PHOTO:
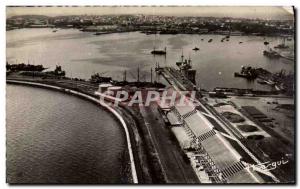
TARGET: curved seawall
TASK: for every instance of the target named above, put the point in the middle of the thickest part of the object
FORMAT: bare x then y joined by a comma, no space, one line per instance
101,103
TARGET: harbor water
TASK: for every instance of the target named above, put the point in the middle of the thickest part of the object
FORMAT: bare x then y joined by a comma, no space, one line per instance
58,138
82,53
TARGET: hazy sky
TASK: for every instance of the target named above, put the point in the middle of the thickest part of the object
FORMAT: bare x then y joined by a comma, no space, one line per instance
220,11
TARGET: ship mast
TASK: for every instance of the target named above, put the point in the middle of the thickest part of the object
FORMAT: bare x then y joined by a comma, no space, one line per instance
124,77
190,61
151,74
138,74
154,39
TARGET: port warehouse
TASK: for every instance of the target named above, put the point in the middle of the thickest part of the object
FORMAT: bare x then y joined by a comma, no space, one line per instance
221,161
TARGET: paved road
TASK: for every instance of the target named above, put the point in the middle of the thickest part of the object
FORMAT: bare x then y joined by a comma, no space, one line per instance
176,169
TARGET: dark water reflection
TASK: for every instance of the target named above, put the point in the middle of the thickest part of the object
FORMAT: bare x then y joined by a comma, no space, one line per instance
58,138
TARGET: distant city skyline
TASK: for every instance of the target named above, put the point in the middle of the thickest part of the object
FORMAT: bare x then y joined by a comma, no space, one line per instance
251,12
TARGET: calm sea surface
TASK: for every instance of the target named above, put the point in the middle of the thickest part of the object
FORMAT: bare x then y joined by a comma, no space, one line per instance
82,54
58,138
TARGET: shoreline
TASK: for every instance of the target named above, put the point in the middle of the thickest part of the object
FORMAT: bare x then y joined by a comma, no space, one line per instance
143,32
111,110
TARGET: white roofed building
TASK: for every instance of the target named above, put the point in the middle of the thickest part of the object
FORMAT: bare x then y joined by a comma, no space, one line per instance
223,163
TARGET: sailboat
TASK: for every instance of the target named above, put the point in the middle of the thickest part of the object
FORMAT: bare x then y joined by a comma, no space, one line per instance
158,51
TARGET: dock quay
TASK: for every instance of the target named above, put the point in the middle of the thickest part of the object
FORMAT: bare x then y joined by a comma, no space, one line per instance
217,125
280,82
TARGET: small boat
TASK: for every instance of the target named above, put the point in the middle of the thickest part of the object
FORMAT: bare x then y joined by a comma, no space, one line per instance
245,75
196,49
210,40
101,33
159,52
281,46
266,43
271,54
150,32
240,42
202,39
247,72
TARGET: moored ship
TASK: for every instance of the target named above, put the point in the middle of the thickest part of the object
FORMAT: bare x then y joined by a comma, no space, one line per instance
159,52
282,45
271,53
186,69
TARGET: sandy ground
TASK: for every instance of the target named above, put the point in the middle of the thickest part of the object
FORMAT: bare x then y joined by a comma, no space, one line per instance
230,108
283,119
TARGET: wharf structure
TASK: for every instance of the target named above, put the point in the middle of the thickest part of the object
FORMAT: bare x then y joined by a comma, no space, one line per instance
221,162
214,147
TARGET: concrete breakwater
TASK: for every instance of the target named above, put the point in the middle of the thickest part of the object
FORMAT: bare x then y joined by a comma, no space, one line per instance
102,104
